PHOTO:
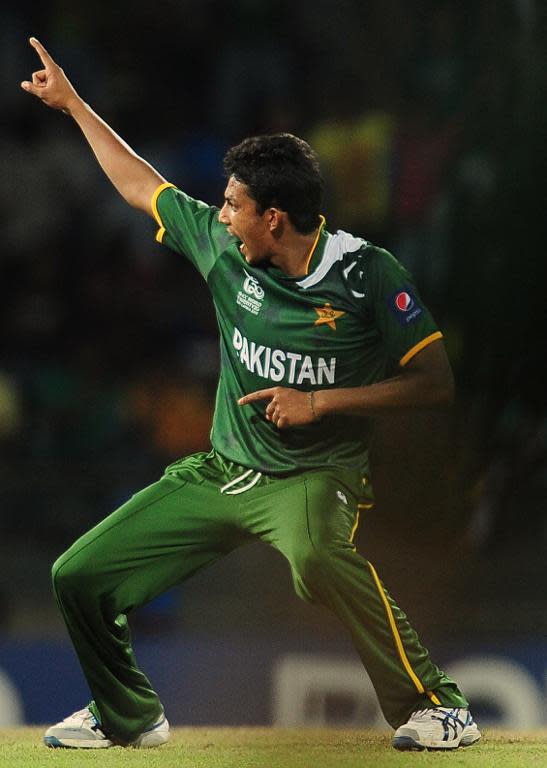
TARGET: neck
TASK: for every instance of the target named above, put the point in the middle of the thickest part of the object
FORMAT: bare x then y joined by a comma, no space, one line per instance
294,251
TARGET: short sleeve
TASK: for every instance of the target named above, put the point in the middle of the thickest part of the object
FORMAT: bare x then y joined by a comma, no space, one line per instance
403,321
189,227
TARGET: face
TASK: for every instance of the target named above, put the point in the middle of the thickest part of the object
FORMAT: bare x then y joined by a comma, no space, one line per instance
240,216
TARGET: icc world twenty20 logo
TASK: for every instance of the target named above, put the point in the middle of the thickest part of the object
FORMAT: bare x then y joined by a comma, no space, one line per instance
250,298
252,286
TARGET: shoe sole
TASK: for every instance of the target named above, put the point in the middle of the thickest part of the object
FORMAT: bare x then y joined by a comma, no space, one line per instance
406,743
149,743
470,738
146,742
55,743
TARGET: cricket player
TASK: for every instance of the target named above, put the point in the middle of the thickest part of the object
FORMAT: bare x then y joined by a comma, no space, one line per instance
318,332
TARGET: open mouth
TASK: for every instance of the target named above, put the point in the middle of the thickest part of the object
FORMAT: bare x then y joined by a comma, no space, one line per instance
242,246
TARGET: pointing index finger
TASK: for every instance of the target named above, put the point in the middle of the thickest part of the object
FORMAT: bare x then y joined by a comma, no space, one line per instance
47,61
260,394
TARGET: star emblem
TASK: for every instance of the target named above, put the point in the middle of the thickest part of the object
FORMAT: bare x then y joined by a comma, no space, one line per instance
328,316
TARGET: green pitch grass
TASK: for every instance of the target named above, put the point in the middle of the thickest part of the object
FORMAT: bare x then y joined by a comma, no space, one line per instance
275,748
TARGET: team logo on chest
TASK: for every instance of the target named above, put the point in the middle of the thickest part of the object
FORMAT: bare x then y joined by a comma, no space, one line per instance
328,316
250,298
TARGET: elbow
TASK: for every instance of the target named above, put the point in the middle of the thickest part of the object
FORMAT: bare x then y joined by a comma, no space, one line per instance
435,390
445,391
448,396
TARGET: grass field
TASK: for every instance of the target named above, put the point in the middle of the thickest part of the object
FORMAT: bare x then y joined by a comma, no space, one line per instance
275,748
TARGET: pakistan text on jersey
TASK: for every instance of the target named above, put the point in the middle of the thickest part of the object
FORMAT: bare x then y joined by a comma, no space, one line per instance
278,365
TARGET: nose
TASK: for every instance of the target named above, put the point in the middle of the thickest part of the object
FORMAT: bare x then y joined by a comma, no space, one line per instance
223,216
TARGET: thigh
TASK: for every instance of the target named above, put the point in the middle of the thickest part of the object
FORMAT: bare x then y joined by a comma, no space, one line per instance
160,536
316,509
332,508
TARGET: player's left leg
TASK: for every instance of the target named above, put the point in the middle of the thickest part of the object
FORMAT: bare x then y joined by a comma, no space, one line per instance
311,521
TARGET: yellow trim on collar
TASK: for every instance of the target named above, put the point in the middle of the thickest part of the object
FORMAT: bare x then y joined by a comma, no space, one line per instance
419,346
314,246
154,206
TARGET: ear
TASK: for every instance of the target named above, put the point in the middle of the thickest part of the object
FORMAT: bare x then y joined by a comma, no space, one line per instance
275,219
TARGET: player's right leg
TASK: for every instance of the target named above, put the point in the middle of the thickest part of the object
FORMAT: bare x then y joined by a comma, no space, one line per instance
157,539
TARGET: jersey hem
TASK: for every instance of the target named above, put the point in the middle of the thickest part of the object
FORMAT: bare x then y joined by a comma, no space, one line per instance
154,205
418,347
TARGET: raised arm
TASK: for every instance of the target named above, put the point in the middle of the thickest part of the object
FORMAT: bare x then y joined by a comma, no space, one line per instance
133,177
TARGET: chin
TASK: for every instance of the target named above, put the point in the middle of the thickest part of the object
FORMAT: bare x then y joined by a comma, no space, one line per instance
254,260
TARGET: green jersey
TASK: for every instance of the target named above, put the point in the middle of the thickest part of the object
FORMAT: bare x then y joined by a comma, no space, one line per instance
351,320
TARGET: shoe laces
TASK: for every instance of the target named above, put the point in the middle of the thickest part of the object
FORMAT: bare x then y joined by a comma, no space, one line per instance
448,718
84,715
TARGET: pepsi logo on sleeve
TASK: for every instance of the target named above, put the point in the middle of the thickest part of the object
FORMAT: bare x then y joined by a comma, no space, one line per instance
405,306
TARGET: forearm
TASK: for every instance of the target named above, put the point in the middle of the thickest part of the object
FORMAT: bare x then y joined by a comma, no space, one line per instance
133,177
400,392
426,381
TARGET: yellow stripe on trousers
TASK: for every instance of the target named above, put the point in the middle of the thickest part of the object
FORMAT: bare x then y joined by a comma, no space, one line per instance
398,642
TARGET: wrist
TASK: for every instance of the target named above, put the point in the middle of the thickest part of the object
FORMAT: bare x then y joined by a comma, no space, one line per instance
311,403
318,400
74,106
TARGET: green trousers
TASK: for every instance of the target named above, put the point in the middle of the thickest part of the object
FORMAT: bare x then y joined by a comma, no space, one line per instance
201,509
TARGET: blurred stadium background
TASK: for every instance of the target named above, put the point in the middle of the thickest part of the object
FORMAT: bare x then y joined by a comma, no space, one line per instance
430,119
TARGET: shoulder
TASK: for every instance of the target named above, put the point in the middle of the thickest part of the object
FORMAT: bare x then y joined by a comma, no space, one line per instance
342,252
168,196
354,267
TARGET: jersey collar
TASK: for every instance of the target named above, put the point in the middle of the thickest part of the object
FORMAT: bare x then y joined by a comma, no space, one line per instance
315,256
315,253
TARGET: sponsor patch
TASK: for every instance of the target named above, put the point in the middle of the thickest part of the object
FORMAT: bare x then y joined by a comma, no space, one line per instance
404,306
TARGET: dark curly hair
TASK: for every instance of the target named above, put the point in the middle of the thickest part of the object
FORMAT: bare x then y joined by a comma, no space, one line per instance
283,171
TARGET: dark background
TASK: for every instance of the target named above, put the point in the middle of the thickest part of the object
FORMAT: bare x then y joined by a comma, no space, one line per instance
430,119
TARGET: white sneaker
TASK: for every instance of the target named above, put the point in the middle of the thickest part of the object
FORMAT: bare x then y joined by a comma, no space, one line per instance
82,731
154,736
439,728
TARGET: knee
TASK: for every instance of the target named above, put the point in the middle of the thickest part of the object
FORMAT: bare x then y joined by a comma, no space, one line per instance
313,561
69,576
317,569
